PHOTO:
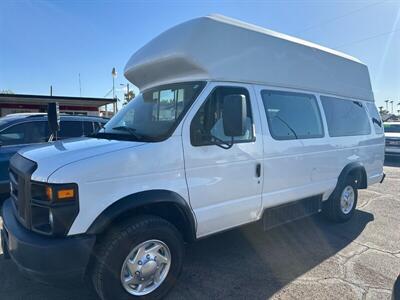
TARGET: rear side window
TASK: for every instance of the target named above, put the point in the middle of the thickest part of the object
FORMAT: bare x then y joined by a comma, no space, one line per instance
375,118
69,129
292,115
345,117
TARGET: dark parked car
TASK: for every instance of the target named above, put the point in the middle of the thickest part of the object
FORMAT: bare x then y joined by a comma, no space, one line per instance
21,130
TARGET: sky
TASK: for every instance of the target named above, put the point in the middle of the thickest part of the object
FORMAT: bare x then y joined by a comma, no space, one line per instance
45,43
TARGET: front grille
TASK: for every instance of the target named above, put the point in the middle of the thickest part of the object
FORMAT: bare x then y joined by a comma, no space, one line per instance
21,170
14,185
392,142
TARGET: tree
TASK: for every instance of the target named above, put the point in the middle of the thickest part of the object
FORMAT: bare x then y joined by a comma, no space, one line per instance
128,97
8,91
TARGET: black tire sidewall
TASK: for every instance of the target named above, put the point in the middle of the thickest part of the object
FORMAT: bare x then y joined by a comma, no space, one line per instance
111,271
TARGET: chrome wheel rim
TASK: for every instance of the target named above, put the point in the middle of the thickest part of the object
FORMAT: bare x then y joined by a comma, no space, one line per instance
146,267
347,199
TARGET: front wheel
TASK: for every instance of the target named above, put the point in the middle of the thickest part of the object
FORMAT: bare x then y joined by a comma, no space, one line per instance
140,259
342,203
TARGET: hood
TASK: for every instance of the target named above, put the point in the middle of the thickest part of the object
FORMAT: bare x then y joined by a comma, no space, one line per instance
52,156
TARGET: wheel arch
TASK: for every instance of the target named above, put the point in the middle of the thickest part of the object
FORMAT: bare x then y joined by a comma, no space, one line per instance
163,203
357,171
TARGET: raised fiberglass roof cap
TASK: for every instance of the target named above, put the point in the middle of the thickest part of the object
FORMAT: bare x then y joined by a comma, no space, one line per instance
220,48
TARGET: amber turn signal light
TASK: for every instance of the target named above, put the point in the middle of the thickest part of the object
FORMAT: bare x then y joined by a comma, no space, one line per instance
65,194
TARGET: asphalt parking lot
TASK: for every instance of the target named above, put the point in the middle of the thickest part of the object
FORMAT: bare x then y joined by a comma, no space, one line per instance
308,259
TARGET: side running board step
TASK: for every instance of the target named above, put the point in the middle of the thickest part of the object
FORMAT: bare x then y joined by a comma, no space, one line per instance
292,211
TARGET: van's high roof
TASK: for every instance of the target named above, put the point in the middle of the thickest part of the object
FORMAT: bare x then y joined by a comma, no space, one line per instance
220,48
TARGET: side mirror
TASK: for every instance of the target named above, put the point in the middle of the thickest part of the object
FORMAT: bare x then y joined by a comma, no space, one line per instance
234,115
53,117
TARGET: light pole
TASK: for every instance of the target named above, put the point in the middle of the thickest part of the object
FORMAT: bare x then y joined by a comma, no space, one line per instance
391,102
114,74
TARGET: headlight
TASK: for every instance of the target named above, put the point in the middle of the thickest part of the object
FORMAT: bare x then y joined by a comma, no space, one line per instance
54,207
53,192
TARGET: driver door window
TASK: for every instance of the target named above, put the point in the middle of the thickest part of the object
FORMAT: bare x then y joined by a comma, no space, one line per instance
207,125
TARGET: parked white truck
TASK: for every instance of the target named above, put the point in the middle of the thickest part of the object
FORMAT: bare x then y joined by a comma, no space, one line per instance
234,124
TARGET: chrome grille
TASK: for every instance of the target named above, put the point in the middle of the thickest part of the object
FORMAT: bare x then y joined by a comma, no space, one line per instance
393,142
21,170
14,185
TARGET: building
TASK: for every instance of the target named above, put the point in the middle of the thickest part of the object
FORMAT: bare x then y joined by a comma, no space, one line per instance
19,103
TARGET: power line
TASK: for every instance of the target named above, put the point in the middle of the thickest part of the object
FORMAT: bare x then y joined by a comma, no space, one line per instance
368,38
339,17
108,93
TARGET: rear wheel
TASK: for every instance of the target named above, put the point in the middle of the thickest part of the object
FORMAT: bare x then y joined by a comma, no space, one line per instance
342,203
140,259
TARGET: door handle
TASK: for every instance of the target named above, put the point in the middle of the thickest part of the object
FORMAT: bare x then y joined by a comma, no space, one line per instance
258,170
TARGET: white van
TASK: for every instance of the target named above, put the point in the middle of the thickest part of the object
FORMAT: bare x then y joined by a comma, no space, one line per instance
234,124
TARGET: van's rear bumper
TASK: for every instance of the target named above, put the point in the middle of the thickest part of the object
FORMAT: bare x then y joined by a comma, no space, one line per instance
44,258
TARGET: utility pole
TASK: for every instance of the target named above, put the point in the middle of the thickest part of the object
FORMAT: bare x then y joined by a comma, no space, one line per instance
51,90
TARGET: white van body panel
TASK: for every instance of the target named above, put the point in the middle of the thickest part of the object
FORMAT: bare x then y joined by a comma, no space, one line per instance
220,185
295,169
107,177
223,187
52,156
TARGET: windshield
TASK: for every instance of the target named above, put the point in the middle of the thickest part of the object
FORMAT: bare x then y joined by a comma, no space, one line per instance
154,114
392,127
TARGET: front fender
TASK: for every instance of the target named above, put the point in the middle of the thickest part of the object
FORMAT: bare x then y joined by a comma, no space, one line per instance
142,199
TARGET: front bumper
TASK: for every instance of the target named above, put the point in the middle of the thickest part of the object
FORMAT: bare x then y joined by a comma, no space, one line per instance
44,258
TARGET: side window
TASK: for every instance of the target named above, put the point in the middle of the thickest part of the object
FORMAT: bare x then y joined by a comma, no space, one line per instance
345,117
207,125
375,118
292,115
88,128
25,133
70,129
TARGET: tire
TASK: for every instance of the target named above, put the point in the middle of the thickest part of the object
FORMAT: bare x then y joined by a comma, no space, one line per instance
333,208
112,253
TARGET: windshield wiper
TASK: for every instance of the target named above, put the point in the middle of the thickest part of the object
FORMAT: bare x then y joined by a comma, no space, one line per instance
132,131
